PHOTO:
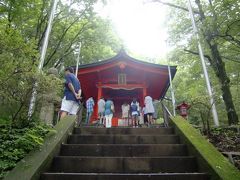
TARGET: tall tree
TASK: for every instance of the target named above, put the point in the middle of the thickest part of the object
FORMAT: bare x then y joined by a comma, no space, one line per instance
211,21
211,34
22,28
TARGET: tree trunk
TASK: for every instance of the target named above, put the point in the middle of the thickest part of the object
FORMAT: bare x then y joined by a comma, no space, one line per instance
220,71
203,123
219,67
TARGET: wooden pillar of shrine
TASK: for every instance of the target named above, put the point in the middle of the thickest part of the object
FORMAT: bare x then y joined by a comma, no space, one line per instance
144,92
99,95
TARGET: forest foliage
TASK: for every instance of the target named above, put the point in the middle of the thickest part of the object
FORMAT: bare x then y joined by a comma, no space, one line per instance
22,29
218,23
23,25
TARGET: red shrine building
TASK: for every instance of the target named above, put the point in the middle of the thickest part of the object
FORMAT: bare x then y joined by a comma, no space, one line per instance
123,78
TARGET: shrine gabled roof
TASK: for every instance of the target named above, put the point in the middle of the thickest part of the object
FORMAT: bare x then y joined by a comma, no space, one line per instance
123,56
155,75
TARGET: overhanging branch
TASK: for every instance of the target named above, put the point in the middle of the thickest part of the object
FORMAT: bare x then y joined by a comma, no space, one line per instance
209,58
174,6
196,53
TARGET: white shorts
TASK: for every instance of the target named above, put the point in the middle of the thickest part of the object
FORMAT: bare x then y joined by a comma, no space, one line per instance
69,106
134,113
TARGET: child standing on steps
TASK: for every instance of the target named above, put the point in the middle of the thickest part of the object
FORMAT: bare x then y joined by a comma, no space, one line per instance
135,112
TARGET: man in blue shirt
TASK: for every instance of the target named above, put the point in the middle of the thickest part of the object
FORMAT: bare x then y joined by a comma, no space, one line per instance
72,93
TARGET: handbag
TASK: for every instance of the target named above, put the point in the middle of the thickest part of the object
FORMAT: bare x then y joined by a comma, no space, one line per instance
112,108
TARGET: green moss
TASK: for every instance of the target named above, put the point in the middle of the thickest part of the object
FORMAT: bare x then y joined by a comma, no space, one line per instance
209,158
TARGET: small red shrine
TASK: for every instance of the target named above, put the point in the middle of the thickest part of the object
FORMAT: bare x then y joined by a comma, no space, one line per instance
122,78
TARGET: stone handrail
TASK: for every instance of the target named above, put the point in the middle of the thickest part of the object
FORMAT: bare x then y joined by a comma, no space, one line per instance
166,115
209,158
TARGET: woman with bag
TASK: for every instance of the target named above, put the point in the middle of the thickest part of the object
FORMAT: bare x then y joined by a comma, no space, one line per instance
109,110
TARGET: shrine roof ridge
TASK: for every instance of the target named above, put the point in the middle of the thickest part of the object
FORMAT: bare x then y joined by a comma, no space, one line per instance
123,56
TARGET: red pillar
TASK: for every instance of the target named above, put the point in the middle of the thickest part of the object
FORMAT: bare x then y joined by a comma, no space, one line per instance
99,91
95,111
98,97
144,87
144,93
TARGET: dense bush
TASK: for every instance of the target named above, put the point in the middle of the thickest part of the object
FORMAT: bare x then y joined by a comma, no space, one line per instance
15,143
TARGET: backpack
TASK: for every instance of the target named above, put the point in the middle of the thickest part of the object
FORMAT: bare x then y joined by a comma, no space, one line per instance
134,107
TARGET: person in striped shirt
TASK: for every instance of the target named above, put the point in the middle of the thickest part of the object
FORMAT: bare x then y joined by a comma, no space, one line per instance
89,105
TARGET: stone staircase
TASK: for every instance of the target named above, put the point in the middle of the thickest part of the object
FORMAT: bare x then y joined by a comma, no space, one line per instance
123,154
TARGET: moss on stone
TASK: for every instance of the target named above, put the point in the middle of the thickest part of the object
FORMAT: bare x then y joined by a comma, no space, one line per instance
209,158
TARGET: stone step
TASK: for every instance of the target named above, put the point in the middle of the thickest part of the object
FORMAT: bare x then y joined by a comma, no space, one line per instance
123,150
118,176
118,130
123,139
78,164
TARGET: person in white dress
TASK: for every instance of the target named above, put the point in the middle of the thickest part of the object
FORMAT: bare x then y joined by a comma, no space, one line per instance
125,112
149,109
